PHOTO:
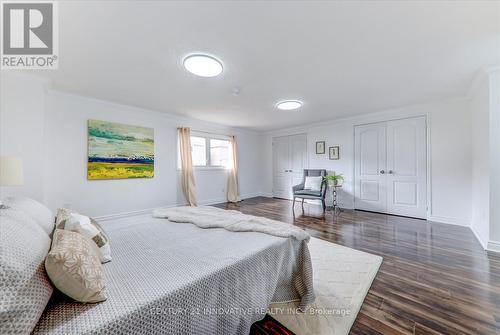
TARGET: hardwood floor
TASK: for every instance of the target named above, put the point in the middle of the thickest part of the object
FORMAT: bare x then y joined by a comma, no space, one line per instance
435,278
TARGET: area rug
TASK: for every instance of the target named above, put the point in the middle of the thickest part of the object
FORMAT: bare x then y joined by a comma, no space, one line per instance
342,278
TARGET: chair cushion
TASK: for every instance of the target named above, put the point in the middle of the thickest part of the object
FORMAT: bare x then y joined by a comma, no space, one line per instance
308,193
25,289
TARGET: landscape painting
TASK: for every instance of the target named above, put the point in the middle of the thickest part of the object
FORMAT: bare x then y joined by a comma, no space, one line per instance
119,151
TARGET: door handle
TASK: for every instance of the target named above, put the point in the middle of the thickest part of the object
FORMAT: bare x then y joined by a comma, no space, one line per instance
382,171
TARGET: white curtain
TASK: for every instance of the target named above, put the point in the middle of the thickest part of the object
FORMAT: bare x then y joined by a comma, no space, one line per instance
233,189
188,185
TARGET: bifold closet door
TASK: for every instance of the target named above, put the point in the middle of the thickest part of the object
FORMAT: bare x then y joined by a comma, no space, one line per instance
289,161
407,167
281,166
369,168
298,159
390,167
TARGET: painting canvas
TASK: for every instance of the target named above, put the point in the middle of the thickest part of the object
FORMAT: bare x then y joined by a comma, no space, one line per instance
119,151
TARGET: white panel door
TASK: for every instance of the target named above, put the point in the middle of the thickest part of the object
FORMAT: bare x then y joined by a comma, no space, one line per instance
370,167
407,167
289,162
298,159
281,166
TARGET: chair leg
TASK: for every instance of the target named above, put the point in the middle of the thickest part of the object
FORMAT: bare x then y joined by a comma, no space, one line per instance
324,205
293,206
302,204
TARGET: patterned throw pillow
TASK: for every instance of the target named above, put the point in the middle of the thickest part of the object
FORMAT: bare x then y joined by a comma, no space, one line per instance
70,220
25,289
74,267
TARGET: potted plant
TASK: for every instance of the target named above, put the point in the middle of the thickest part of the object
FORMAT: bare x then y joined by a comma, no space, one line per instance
334,179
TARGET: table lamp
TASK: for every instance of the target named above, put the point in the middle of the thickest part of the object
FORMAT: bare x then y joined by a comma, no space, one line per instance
11,171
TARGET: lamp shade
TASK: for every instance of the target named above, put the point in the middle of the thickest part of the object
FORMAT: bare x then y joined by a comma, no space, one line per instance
11,171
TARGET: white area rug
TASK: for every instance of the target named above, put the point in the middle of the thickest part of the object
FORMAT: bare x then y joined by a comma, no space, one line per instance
342,278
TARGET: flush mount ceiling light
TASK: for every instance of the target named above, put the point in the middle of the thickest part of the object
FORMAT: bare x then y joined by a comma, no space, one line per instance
203,65
288,105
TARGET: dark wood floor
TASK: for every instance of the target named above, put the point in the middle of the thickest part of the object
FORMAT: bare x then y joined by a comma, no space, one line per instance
435,278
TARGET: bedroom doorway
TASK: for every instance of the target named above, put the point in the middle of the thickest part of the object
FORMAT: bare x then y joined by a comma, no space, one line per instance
289,162
391,167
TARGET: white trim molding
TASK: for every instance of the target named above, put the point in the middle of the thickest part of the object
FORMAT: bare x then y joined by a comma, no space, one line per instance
129,214
150,210
449,220
484,243
493,246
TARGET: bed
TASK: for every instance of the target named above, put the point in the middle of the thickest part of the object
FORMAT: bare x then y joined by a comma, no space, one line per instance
176,278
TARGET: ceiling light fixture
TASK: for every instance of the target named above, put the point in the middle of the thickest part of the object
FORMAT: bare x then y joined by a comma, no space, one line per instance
203,65
288,105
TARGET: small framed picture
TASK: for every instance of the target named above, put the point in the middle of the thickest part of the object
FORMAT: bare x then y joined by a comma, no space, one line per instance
334,153
320,147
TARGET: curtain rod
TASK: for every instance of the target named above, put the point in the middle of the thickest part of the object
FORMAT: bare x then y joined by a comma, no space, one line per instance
209,133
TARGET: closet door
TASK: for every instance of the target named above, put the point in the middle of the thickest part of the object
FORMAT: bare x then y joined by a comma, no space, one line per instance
289,161
370,167
298,158
281,166
407,167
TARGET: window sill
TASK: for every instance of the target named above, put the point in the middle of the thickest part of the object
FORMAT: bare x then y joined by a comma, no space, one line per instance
207,168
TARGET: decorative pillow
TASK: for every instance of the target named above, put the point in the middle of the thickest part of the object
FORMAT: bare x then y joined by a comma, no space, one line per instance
39,212
71,220
74,268
25,288
313,183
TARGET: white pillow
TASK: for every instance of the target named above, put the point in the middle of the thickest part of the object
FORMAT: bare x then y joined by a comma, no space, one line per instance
313,183
83,225
25,289
37,211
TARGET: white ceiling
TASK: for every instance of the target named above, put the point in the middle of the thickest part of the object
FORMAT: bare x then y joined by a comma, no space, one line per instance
340,58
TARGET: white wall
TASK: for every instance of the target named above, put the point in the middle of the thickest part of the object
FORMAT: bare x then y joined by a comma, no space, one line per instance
479,106
66,168
485,111
48,129
494,94
21,129
450,143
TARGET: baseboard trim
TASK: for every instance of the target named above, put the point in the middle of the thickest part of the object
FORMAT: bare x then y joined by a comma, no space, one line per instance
493,246
131,213
206,202
448,220
484,243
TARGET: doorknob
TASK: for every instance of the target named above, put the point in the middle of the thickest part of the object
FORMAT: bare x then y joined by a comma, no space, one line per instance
382,172
391,172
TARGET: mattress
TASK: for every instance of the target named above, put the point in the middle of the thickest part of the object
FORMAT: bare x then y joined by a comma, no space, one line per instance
176,278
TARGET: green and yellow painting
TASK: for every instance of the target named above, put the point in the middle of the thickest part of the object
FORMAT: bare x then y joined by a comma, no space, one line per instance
119,151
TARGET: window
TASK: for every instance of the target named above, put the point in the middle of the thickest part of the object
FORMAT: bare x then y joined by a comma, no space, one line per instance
210,151
199,151
219,152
